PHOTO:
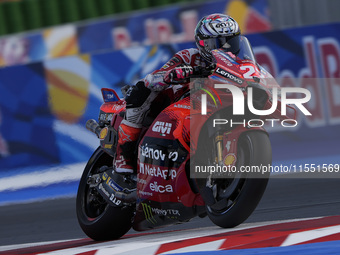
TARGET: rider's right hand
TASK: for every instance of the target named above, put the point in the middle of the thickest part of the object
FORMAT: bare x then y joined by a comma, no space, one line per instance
178,74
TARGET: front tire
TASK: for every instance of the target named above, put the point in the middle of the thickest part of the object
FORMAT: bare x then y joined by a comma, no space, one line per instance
237,198
96,217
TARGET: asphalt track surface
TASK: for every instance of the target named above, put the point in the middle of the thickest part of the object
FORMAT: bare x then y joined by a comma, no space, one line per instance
55,220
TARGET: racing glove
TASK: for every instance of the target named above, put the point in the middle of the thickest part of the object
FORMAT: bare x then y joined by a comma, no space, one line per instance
178,75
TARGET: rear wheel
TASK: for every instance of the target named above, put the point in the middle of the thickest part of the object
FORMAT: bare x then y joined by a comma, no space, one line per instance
237,197
96,217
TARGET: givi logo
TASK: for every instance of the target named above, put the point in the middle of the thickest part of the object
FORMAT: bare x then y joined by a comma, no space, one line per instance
162,127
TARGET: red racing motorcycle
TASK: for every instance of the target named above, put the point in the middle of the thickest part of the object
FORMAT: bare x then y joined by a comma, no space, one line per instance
185,140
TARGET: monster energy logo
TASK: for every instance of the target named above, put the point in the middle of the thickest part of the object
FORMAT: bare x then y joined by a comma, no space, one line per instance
148,214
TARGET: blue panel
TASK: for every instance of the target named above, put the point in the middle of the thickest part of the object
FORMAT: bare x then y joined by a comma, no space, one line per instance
27,124
305,249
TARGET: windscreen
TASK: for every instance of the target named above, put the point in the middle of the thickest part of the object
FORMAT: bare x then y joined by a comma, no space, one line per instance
245,52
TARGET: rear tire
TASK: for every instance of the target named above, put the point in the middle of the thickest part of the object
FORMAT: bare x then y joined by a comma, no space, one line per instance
245,191
99,220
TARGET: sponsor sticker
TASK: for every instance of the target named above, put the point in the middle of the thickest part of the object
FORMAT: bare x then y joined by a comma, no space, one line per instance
148,213
161,127
228,75
182,106
230,159
158,154
154,171
103,133
154,186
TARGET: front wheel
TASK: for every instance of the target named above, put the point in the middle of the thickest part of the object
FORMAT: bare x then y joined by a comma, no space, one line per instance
96,217
237,197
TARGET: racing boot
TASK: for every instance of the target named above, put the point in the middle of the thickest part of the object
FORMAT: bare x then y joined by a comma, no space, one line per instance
138,100
126,160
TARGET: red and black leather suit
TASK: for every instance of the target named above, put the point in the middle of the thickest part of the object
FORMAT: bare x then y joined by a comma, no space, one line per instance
139,98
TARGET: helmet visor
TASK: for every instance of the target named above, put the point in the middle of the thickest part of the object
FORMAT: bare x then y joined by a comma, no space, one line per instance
226,43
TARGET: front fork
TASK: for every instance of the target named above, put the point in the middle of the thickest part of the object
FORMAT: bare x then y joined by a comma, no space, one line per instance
219,147
218,152
225,145
224,154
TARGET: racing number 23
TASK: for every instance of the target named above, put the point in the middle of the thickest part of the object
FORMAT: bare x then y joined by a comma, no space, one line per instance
250,71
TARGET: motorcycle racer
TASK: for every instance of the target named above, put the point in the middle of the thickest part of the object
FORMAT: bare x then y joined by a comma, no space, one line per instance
212,32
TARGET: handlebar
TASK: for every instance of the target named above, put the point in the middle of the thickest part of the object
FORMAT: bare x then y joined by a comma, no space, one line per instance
198,72
201,72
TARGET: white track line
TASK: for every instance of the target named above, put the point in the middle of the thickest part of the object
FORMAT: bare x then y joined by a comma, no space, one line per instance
29,245
210,246
65,173
308,235
145,244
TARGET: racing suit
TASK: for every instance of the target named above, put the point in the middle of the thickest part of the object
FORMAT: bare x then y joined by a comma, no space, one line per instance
139,98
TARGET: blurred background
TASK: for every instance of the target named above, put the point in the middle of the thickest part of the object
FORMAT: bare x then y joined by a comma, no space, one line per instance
56,55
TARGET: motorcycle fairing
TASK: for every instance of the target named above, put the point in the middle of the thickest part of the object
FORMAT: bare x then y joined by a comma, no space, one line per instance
163,152
168,158
152,214
162,179
109,112
109,95
108,140
112,105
